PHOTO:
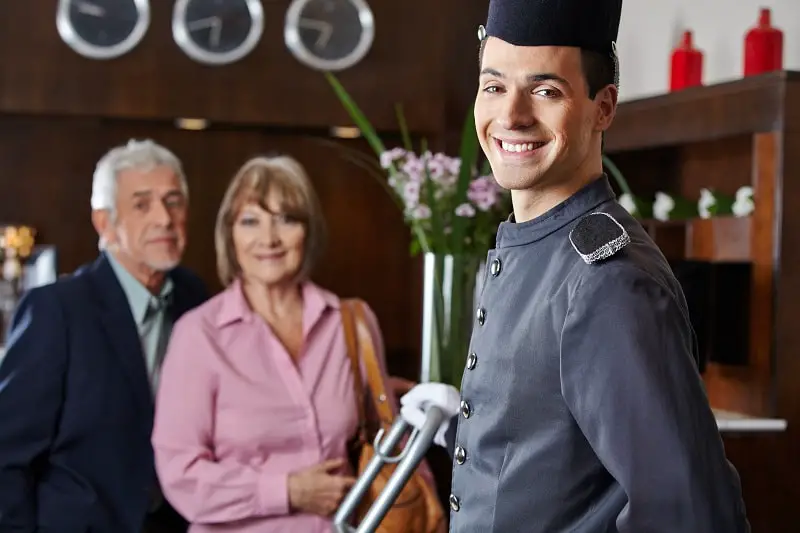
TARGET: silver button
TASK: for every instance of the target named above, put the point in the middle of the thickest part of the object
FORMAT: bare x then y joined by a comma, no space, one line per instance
466,410
481,315
496,267
455,505
460,455
472,360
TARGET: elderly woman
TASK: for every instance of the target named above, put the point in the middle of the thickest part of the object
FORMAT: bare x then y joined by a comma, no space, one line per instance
257,400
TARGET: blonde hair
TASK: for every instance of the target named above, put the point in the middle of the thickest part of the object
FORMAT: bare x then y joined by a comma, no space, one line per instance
254,182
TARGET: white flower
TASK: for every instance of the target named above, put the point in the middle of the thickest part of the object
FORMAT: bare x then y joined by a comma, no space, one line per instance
744,204
465,210
421,212
626,201
705,203
663,205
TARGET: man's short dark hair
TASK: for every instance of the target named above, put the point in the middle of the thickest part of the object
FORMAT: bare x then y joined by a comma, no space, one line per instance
598,69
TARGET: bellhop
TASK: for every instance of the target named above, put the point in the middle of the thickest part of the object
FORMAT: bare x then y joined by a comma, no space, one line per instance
581,406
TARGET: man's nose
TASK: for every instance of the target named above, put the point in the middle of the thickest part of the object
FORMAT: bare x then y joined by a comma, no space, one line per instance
517,113
161,214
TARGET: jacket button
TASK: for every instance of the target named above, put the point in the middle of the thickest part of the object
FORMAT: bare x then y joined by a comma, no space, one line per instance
495,268
460,455
481,315
472,360
466,410
455,505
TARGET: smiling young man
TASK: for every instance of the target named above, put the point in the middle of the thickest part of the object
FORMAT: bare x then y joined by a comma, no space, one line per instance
581,408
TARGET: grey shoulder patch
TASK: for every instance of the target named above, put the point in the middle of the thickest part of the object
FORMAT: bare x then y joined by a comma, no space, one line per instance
598,236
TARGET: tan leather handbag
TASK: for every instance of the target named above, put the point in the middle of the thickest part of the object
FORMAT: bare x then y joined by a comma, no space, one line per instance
417,508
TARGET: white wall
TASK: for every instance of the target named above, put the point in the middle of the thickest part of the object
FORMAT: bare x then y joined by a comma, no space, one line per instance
650,29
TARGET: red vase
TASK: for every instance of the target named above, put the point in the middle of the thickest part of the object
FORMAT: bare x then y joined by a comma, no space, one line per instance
686,69
763,46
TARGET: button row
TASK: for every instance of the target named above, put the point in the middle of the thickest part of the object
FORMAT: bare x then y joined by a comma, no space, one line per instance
460,454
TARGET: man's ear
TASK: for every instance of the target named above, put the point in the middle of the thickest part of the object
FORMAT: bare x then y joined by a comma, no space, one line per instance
101,220
606,106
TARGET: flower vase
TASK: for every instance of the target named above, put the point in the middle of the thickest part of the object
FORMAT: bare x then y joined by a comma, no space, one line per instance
451,285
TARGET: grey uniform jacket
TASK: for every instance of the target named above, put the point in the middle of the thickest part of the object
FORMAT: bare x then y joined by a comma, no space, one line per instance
582,407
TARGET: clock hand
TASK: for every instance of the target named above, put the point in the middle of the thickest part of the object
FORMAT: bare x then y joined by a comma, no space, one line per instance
214,23
325,30
216,34
90,9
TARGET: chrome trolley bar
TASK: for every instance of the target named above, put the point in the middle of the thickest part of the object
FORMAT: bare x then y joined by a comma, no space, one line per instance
413,453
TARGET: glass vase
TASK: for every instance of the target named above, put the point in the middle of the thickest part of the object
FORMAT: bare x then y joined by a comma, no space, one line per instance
450,287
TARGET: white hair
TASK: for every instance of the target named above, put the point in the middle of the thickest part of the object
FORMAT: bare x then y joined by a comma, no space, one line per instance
139,155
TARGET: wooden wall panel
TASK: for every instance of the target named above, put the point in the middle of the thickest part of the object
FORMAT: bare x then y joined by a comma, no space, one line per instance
408,64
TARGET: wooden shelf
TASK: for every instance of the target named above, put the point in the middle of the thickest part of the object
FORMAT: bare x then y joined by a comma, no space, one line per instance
717,239
698,114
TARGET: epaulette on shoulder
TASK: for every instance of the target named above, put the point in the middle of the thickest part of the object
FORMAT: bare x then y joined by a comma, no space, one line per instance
598,236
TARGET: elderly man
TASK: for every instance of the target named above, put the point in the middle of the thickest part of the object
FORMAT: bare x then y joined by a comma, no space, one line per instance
581,408
83,358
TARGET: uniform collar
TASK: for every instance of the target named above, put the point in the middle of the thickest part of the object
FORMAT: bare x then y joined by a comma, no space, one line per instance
590,196
139,298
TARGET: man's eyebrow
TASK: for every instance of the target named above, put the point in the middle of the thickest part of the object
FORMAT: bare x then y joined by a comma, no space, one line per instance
534,78
492,72
531,78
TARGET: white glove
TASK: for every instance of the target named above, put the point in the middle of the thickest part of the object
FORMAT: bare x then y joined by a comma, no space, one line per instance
414,402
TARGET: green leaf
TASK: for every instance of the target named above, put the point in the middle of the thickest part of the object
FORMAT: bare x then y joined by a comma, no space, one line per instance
617,175
372,138
486,168
469,155
401,121
356,114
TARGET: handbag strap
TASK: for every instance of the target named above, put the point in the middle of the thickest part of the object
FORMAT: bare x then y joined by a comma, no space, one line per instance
348,325
361,347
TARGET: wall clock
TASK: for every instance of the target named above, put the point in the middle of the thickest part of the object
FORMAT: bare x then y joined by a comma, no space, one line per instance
329,34
217,32
102,29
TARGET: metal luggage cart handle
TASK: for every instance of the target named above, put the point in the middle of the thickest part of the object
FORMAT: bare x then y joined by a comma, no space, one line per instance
408,460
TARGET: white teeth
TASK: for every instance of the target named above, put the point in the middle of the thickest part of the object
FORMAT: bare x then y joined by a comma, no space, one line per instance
519,147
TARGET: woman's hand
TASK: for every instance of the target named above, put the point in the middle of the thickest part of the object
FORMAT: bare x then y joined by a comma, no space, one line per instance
315,490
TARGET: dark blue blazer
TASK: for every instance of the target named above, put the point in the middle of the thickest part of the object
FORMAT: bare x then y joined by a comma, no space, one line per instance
76,411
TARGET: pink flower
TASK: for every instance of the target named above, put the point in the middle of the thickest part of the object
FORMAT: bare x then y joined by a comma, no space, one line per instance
484,192
414,168
411,194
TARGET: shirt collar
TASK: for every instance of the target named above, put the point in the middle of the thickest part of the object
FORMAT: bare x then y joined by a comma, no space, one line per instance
139,298
234,306
511,233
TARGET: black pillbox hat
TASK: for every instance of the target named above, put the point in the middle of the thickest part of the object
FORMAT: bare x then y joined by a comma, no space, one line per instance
586,24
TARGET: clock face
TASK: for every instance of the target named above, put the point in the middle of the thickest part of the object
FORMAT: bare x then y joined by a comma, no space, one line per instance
102,29
217,31
329,34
